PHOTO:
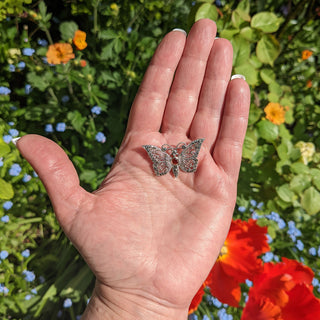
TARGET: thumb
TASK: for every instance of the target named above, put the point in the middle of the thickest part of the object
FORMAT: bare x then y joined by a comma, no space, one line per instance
56,172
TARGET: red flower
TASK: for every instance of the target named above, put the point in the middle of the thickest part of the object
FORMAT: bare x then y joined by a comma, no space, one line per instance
283,290
196,300
238,261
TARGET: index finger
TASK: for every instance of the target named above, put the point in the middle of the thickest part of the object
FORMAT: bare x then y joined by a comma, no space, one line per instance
148,107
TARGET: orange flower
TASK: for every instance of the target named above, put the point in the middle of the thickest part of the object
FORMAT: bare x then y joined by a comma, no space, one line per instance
306,54
309,84
275,113
238,261
83,63
196,300
282,291
79,40
59,53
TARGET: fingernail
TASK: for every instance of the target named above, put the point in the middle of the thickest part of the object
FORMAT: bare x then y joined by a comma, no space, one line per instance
15,140
238,76
180,30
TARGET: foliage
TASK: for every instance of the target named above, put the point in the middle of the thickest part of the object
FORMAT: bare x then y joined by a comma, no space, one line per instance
83,105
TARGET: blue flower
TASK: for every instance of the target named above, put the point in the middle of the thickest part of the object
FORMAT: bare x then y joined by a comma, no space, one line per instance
65,99
109,159
34,291
300,245
21,65
96,110
28,297
7,138
28,51
7,205
25,253
12,68
29,275
26,178
4,254
293,232
315,282
192,316
269,238
100,137
5,218
214,301
1,162
48,128
27,88
15,170
3,289
242,209
129,30
313,251
253,203
61,127
67,303
42,42
267,257
14,132
4,90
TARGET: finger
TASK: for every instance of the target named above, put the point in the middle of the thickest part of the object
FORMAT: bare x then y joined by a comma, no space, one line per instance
184,94
148,107
56,172
228,148
207,118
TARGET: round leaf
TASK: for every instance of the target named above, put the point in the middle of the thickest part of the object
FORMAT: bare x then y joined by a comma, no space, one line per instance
268,49
265,21
249,72
207,11
267,75
267,130
310,201
6,190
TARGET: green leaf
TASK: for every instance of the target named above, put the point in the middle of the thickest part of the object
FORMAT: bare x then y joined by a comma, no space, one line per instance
268,49
77,120
228,33
285,193
207,11
267,130
310,201
6,190
108,34
249,144
243,10
249,72
299,183
250,34
4,148
68,29
315,174
267,22
254,114
267,75
299,167
241,50
40,82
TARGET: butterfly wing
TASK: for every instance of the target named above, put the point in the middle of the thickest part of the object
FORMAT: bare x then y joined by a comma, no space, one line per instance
161,160
188,161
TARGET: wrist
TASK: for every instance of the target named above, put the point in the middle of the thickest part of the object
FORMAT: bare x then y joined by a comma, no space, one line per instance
110,304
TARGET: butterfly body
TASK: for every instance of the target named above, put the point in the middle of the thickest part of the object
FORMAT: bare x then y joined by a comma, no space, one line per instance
182,157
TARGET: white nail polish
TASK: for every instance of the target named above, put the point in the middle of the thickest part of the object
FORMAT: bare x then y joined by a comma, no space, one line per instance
217,38
238,76
15,140
180,30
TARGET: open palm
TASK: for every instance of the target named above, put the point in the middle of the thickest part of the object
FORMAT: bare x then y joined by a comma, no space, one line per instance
150,240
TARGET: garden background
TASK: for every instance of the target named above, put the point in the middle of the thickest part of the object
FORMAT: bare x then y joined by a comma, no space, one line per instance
79,93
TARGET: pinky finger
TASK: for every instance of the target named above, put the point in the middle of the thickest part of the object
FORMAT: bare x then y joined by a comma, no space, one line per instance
228,148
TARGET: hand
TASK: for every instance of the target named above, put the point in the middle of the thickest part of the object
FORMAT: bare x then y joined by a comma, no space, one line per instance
149,240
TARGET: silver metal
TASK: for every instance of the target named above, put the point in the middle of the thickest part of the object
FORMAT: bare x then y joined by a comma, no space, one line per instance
183,156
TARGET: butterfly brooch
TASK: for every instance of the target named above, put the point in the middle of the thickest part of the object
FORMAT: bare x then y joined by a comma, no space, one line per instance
183,156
